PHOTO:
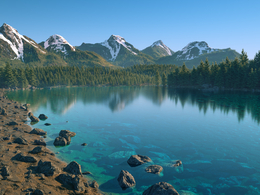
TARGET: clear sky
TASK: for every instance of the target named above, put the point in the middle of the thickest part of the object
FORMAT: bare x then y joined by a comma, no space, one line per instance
221,23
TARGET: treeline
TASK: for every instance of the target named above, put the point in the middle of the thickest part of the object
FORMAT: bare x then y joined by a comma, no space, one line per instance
237,74
69,76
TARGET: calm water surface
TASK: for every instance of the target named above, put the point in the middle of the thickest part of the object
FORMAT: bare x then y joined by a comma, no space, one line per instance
215,135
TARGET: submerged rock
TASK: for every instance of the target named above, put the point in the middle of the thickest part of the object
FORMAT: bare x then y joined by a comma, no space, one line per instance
73,168
125,179
42,116
47,124
38,131
136,160
161,188
155,169
177,163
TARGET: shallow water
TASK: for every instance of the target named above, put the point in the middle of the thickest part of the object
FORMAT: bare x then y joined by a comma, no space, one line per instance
215,135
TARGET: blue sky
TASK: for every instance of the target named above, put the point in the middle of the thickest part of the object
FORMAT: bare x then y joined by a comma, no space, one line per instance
222,24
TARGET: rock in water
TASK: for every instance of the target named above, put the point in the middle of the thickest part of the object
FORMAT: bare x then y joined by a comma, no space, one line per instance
73,168
38,131
125,179
42,116
155,169
177,163
68,133
47,124
34,118
60,141
136,160
162,188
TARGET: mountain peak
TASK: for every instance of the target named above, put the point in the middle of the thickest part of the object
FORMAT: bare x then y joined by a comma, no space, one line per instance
58,43
157,43
194,49
15,40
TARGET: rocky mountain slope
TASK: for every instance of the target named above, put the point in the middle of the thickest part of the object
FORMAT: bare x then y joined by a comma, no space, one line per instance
157,50
19,50
117,51
196,51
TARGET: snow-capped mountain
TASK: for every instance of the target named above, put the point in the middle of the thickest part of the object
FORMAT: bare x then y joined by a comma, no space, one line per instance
58,43
118,51
158,49
193,50
14,44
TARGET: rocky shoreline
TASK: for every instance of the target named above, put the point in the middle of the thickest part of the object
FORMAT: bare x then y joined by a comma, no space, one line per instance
26,165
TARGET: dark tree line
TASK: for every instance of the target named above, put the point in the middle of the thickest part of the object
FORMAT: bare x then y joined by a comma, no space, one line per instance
237,74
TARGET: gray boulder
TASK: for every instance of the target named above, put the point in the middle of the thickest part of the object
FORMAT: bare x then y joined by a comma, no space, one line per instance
34,118
12,123
136,160
155,169
161,188
76,182
20,140
38,131
68,133
5,171
39,142
73,168
60,141
46,168
42,116
36,150
3,111
125,179
24,158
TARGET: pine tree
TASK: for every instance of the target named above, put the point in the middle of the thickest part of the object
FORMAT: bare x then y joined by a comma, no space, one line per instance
157,78
9,79
23,82
164,79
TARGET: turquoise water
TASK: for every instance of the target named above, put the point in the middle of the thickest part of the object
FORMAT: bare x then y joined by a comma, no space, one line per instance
215,135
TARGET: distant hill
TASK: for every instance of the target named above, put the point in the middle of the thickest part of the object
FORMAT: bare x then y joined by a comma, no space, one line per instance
196,51
157,50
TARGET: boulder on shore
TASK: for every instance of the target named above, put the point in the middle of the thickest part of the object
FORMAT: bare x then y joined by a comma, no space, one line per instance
40,142
36,150
38,131
64,138
46,168
34,118
73,168
23,158
161,188
42,117
155,169
125,179
20,140
68,133
136,160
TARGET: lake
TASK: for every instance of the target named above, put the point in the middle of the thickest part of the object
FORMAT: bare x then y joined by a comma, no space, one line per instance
215,135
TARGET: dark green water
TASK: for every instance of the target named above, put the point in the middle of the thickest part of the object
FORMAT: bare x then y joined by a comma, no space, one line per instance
215,135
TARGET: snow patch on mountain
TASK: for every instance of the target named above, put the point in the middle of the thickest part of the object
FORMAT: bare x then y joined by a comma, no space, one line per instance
194,49
15,40
161,44
114,44
57,43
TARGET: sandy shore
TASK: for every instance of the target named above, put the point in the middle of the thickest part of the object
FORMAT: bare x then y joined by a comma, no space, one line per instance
19,168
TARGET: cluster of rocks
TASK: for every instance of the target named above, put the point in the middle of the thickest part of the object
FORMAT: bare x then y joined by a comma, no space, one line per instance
36,119
126,179
64,138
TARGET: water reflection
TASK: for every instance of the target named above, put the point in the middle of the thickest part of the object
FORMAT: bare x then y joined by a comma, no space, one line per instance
60,100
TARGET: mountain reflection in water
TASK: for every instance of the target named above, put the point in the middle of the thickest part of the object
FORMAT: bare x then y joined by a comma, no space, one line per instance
61,100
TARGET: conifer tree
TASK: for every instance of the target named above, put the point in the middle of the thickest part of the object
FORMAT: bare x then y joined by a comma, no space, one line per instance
157,78
164,79
9,79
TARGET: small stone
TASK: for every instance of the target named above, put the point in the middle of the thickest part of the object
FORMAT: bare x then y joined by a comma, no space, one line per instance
87,173
34,118
177,163
47,124
84,144
42,117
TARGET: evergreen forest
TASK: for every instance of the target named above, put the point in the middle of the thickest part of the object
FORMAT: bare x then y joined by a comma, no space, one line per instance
240,73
